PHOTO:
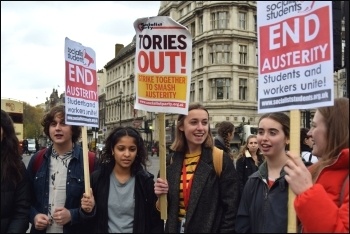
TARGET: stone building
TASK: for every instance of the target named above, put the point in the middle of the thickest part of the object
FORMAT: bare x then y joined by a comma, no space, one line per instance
224,66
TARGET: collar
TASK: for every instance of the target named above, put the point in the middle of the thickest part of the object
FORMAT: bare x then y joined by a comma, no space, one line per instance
263,172
247,154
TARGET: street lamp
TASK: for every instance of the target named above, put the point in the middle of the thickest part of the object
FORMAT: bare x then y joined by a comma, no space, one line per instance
120,108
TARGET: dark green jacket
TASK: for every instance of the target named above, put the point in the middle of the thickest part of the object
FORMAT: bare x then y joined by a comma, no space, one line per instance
263,210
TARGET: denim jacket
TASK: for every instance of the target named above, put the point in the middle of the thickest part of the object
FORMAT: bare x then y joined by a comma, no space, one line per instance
74,188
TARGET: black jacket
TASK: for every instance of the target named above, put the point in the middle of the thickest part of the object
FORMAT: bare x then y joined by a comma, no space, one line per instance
245,167
213,201
15,205
146,216
263,210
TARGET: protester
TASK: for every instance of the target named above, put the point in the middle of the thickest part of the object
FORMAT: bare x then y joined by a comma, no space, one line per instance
306,143
248,161
123,198
263,207
37,146
25,147
58,182
199,200
226,131
322,201
15,189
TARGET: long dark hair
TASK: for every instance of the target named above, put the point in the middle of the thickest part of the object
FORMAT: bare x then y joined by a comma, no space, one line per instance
107,159
11,159
224,129
303,136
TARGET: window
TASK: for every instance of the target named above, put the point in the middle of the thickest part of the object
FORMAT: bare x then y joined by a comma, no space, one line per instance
200,57
257,89
256,55
200,91
193,29
220,88
242,89
243,54
212,54
219,20
189,7
200,24
219,54
255,24
192,92
193,60
181,12
242,20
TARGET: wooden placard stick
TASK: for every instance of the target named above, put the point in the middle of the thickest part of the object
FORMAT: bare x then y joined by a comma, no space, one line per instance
294,147
162,163
86,160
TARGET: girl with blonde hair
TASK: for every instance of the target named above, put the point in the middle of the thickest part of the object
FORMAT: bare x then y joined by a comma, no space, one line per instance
248,161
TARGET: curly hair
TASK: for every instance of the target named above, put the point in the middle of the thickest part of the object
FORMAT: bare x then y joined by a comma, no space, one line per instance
59,111
226,128
11,159
107,160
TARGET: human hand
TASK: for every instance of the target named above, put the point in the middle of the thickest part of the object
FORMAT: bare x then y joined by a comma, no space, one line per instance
61,216
161,187
88,202
41,221
297,174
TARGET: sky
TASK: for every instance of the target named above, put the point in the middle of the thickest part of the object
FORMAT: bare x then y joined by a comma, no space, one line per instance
33,36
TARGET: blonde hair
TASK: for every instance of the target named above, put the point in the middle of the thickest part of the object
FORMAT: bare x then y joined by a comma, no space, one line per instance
245,147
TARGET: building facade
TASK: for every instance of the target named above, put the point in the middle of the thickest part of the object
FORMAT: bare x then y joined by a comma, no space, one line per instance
224,67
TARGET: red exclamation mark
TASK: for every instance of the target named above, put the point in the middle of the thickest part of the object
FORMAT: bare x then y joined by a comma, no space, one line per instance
183,62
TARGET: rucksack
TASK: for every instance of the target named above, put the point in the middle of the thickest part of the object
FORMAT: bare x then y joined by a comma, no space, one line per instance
40,157
217,160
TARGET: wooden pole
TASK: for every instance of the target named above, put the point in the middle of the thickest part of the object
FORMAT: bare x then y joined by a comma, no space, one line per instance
86,160
294,147
162,163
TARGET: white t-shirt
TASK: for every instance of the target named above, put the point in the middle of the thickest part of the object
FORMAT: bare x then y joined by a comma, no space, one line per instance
306,155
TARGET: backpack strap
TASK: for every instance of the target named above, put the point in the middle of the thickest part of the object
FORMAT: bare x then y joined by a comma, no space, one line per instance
310,157
217,160
38,160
